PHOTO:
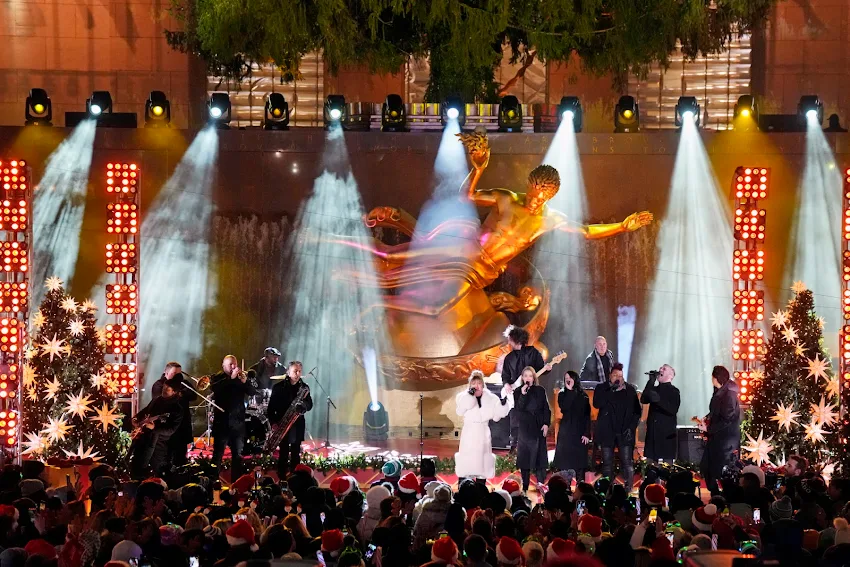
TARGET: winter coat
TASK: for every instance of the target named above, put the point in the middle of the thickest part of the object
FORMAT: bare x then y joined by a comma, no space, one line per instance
516,360
183,435
724,430
661,441
570,452
532,412
283,394
229,394
372,517
161,406
475,457
590,368
619,415
430,522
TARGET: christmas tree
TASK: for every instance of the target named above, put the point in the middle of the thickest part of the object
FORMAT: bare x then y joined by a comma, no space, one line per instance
794,405
69,409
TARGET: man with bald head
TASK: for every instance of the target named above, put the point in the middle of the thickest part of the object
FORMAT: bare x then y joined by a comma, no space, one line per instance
229,388
663,399
598,364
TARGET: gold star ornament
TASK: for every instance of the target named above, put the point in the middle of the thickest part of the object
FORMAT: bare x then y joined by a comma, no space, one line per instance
817,367
52,388
759,449
82,454
76,328
798,287
823,413
53,284
35,444
815,432
52,347
785,416
69,305
38,320
779,319
790,335
107,417
78,405
57,429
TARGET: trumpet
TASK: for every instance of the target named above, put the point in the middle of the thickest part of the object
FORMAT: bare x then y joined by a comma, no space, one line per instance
201,383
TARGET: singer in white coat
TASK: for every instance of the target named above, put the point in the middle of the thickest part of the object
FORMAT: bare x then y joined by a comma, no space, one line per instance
478,406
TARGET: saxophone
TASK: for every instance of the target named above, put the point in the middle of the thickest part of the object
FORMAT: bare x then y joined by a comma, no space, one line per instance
282,427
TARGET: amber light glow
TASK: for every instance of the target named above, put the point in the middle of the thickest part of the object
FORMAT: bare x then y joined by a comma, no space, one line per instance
749,305
9,426
14,256
749,223
122,177
748,264
122,218
121,298
13,297
121,339
121,258
124,375
751,183
10,330
13,175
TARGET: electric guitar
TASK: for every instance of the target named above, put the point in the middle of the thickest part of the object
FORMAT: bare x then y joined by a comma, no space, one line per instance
140,426
518,382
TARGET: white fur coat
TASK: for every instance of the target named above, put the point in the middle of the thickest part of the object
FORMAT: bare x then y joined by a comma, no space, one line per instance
475,456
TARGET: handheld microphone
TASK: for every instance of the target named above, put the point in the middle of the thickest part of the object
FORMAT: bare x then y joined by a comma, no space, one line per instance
471,391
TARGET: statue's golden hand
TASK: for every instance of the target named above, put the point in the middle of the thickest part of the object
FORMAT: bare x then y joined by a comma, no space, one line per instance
637,220
477,146
379,215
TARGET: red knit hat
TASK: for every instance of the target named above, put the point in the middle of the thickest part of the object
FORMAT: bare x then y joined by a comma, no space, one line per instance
509,552
241,533
511,487
332,541
242,484
590,525
304,468
560,548
8,510
661,550
654,494
408,483
444,550
41,547
342,485
703,517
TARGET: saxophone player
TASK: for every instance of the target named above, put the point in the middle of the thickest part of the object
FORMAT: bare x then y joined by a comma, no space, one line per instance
229,387
283,394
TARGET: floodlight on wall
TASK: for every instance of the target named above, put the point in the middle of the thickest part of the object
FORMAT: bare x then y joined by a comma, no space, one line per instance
336,111
453,108
570,109
219,110
99,104
157,110
746,114
687,110
39,110
276,114
810,109
510,114
393,114
626,115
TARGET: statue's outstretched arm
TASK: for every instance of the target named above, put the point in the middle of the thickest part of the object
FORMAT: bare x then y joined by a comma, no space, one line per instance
392,217
596,231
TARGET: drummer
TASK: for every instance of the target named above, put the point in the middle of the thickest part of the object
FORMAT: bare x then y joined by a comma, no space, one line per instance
265,368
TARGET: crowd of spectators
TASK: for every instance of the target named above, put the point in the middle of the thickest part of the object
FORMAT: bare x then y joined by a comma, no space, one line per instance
405,520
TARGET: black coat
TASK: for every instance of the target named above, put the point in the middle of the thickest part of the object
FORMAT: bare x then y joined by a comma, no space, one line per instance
283,393
619,415
724,430
261,373
663,399
161,406
516,360
229,394
532,413
590,368
570,452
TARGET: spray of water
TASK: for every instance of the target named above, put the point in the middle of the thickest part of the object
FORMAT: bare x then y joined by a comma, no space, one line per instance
689,322
175,260
60,200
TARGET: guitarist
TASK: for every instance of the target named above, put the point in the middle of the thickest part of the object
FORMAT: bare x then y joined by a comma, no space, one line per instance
157,422
520,356
283,394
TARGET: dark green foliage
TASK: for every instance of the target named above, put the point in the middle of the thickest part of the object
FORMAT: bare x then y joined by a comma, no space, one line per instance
463,38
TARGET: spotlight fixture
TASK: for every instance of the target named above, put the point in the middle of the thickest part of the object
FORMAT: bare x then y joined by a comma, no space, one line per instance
626,115
277,113
453,108
218,109
393,114
39,110
510,114
810,109
336,111
376,422
157,110
746,114
570,109
100,103
687,110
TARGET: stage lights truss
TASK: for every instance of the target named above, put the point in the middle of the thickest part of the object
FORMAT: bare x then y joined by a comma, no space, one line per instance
121,261
749,186
15,247
844,335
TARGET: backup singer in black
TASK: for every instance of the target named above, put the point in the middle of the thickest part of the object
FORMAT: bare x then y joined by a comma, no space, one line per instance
283,394
229,387
533,417
619,415
574,429
663,399
150,451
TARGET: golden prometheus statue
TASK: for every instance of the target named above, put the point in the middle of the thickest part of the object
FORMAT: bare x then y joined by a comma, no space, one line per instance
443,317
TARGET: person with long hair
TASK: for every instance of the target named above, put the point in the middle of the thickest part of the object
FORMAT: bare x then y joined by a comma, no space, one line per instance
723,432
533,415
574,430
478,406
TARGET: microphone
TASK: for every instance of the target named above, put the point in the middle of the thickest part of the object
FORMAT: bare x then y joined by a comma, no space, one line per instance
471,391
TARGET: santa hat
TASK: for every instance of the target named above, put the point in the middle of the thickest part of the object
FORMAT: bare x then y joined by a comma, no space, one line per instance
159,481
301,467
506,495
509,552
654,494
756,471
9,510
703,517
661,550
343,485
241,533
242,484
444,550
560,548
591,525
511,487
332,541
41,547
408,484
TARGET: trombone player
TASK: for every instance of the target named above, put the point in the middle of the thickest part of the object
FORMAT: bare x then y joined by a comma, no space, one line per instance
229,387
283,395
183,436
